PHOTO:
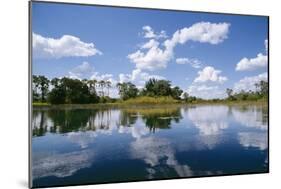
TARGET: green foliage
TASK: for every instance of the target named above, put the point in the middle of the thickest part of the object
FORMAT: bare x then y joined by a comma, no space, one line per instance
158,88
185,96
127,90
260,93
73,91
64,91
151,100
189,99
40,88
154,87
176,93
106,99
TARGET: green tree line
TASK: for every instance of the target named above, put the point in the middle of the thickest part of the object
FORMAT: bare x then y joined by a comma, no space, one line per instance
260,93
74,91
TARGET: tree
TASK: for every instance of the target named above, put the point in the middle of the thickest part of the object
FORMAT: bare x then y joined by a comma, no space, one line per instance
92,86
101,85
176,92
154,87
127,90
35,88
185,96
162,88
72,91
229,92
149,87
108,86
263,85
260,92
40,87
58,94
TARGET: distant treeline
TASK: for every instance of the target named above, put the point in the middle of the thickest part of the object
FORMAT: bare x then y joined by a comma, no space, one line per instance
260,92
74,91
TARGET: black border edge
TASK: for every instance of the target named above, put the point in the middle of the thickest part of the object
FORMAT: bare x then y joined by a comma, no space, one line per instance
268,99
30,185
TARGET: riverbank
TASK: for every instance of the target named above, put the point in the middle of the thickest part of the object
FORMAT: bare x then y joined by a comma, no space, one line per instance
164,102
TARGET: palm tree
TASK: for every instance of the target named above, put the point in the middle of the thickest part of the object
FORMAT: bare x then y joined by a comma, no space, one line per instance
108,85
102,84
118,85
257,85
35,81
92,85
44,86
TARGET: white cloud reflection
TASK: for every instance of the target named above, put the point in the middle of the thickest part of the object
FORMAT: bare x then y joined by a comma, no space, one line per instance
106,123
251,117
83,139
210,120
137,130
61,165
251,139
158,151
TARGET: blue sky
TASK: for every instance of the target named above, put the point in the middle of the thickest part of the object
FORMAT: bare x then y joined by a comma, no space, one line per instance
210,52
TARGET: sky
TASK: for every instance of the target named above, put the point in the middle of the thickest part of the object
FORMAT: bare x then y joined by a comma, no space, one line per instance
202,53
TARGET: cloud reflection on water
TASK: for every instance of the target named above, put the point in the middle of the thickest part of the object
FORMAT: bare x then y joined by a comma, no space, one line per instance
60,164
251,139
253,117
158,151
211,121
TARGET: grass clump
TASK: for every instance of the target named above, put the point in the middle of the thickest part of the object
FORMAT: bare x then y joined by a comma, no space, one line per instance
40,104
151,100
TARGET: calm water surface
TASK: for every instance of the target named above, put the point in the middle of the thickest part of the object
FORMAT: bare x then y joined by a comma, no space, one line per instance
76,146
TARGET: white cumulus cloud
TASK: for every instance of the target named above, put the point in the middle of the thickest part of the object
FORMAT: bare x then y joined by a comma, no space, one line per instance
66,46
249,64
138,77
154,58
195,63
151,43
206,92
149,33
210,74
81,71
248,83
203,32
246,64
153,55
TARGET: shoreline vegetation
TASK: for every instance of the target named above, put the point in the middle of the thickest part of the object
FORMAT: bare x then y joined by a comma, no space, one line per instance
67,92
163,104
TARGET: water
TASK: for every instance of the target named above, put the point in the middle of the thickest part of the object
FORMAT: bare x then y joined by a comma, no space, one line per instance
79,146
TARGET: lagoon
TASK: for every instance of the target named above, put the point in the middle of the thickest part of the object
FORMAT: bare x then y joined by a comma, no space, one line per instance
99,145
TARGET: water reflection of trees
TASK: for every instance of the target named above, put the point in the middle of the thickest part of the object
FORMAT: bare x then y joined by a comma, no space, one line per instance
66,120
72,120
251,116
127,118
39,126
156,118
